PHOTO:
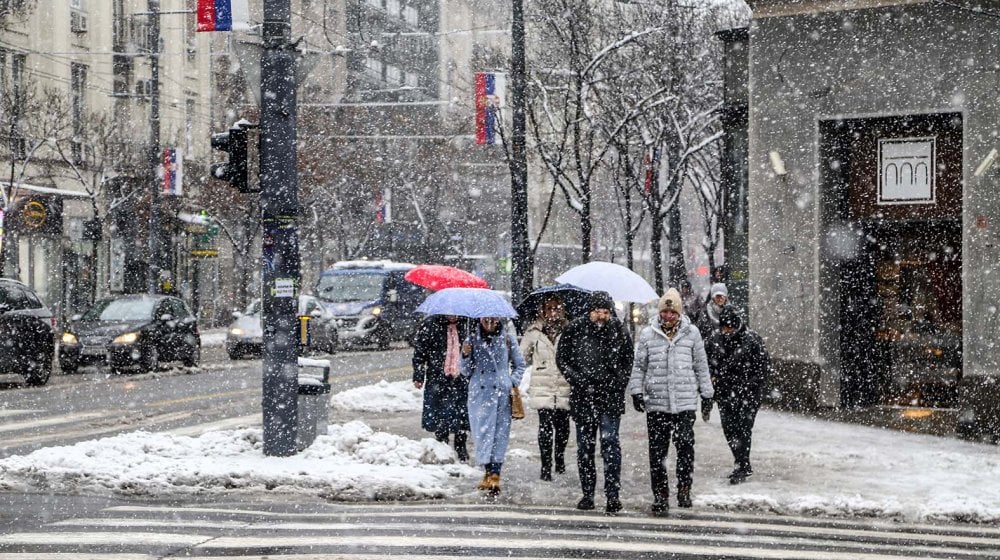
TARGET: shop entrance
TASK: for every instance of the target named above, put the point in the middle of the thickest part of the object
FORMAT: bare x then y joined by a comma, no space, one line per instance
898,303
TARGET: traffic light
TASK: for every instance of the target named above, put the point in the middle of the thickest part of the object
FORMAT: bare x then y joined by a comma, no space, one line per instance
233,141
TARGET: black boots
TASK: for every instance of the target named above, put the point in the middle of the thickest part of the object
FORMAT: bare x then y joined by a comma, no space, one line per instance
684,496
460,449
586,503
740,474
560,464
614,505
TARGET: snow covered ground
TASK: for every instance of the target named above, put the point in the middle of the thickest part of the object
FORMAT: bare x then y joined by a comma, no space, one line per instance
803,466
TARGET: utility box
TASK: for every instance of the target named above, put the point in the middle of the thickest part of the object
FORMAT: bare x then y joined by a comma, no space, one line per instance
313,401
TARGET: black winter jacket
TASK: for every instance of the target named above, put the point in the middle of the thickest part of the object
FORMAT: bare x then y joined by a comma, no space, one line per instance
739,363
597,363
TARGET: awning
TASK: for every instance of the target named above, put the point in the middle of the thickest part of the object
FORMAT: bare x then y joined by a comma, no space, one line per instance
47,190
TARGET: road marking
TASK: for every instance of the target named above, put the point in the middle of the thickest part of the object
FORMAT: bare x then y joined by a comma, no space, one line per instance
51,421
211,396
97,539
75,556
18,411
509,543
226,424
67,435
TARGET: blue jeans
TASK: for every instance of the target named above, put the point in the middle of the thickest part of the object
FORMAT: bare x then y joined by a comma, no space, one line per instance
611,453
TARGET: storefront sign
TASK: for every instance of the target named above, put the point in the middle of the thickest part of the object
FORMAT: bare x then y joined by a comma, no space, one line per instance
906,170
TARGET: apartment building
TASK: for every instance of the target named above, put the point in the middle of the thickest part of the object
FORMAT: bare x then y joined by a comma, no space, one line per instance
79,101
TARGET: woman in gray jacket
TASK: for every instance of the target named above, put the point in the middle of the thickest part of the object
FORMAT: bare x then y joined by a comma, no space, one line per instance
669,373
549,389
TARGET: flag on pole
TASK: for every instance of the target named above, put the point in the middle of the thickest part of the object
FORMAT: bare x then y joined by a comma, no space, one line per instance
490,98
223,15
173,172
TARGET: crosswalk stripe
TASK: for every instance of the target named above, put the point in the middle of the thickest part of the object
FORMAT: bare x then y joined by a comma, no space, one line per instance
97,539
510,543
814,528
73,556
749,536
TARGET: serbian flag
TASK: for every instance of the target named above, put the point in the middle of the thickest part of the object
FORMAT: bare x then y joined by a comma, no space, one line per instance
173,172
490,97
223,15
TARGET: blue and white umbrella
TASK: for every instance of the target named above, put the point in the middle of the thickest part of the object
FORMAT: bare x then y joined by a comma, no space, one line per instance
467,302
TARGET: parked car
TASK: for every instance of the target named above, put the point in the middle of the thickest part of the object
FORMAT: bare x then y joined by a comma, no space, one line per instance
140,330
245,334
27,342
371,301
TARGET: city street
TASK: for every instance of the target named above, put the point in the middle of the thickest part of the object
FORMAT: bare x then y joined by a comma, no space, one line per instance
220,393
530,520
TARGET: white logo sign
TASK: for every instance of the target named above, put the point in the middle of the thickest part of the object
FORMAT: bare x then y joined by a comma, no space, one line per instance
906,170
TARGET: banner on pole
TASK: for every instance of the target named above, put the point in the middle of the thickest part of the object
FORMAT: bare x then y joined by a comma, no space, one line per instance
173,172
491,94
223,15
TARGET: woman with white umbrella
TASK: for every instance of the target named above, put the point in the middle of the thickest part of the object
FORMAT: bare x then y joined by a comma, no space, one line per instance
493,363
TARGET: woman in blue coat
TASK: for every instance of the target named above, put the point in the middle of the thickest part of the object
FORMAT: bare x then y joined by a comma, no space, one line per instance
494,365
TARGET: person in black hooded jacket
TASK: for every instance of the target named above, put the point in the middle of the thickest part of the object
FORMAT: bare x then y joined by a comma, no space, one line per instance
740,363
595,355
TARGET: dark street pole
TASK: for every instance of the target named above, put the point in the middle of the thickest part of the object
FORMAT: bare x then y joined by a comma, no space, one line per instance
280,252
520,251
155,251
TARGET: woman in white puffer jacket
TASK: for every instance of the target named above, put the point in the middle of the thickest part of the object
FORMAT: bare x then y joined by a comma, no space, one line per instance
549,389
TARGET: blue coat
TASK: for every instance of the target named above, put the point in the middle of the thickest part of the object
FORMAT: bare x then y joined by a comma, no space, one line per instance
493,368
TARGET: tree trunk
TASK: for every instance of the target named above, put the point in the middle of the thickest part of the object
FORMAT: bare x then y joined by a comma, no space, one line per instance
677,268
585,228
656,249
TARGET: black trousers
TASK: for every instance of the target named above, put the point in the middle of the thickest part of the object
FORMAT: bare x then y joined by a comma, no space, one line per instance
553,428
738,416
587,428
663,427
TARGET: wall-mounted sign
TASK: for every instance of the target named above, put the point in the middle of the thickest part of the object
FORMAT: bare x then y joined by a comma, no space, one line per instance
37,214
906,170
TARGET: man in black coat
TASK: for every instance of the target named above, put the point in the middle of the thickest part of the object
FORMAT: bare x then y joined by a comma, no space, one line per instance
446,395
595,355
740,364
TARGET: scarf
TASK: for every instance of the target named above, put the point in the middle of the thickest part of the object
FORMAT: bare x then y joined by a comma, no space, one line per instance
451,359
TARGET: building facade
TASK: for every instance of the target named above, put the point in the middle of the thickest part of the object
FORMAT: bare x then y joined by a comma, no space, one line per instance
872,203
78,121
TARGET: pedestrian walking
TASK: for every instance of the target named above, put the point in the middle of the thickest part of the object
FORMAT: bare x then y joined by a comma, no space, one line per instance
437,370
595,355
741,365
693,303
549,389
708,324
669,373
493,364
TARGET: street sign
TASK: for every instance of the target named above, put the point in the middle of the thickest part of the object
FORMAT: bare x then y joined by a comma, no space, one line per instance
204,253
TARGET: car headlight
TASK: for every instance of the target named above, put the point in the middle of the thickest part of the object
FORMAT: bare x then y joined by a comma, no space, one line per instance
69,338
236,331
127,338
375,311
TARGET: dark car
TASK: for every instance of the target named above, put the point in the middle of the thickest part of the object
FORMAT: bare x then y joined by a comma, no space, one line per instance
139,330
26,333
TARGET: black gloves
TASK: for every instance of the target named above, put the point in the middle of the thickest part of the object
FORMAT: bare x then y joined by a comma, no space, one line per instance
638,404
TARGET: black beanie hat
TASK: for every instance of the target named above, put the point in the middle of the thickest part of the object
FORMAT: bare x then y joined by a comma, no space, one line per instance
730,317
601,300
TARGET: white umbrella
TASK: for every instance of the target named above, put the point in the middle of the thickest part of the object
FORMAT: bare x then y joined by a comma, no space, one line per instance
620,282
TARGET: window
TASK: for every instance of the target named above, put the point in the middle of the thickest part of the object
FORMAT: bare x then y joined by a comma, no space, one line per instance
410,15
374,67
393,75
13,297
392,6
412,80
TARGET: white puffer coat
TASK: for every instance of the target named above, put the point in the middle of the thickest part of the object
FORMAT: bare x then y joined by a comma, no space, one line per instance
670,374
549,389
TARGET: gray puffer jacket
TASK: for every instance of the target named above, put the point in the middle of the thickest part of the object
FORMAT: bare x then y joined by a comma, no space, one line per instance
670,374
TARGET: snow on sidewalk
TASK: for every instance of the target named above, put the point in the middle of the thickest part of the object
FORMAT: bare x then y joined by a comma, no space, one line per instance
803,466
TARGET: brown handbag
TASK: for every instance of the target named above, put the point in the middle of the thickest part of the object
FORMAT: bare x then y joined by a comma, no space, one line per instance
516,404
